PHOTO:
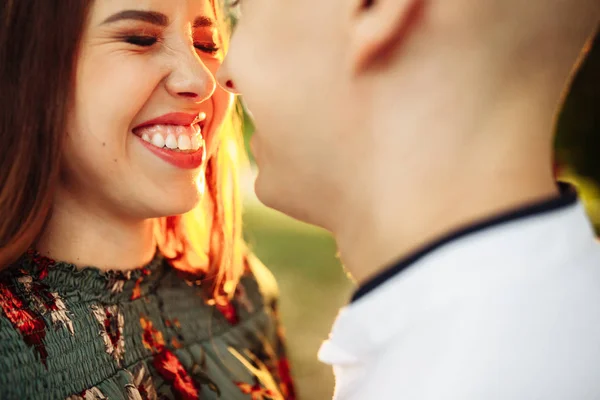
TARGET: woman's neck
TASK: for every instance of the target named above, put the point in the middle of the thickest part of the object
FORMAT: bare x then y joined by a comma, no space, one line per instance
85,237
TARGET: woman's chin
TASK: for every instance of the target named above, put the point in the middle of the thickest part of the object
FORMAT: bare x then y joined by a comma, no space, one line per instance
181,209
175,204
184,205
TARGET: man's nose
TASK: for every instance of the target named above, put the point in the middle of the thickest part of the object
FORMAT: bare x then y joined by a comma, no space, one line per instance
224,78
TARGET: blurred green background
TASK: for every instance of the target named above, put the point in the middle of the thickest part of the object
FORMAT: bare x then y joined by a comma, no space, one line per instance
312,282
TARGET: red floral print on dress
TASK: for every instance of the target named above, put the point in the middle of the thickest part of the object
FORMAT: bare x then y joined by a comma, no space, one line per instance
152,339
286,384
170,368
89,394
274,361
165,362
41,262
44,302
111,321
38,294
116,281
228,310
256,391
143,386
27,322
137,289
26,307
264,382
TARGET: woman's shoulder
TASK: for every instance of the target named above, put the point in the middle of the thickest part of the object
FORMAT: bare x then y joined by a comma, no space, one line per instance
42,339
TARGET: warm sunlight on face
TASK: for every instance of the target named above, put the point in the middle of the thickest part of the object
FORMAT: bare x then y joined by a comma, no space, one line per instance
146,110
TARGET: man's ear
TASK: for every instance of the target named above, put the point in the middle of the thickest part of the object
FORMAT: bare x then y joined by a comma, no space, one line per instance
379,29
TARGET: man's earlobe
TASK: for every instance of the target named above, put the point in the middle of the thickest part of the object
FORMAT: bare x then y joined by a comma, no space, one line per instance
379,28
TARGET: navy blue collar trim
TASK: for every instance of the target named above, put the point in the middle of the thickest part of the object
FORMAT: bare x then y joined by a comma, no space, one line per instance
567,197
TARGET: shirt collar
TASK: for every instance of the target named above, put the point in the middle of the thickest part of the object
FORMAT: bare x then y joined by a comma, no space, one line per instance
488,252
567,197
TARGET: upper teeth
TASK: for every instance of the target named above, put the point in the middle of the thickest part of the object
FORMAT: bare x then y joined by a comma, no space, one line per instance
173,137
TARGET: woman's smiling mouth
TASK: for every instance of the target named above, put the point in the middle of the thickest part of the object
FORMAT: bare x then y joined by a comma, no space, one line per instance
175,138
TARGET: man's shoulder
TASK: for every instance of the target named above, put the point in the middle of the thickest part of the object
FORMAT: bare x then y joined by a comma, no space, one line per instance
544,345
538,337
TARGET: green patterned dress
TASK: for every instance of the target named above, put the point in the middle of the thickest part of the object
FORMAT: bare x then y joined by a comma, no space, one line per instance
69,333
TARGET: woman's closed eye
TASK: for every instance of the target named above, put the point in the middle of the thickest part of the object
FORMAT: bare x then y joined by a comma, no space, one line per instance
141,40
210,48
149,41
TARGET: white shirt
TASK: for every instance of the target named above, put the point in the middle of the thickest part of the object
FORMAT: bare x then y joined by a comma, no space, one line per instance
506,310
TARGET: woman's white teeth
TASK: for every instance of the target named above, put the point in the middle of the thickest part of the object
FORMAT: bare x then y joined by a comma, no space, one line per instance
174,138
158,140
171,142
184,143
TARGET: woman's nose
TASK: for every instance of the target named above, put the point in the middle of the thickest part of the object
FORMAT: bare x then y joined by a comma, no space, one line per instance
191,79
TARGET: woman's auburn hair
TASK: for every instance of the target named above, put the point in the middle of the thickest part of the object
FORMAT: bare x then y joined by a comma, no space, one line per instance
38,61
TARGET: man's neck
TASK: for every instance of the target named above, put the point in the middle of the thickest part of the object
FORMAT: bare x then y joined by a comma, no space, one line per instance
393,230
471,143
401,204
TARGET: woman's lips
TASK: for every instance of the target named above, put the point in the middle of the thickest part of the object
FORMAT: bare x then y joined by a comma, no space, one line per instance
176,118
173,140
184,159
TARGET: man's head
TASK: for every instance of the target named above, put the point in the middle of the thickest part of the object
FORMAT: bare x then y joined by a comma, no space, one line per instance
349,95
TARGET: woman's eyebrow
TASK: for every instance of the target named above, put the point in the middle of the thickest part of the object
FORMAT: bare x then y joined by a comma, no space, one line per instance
151,17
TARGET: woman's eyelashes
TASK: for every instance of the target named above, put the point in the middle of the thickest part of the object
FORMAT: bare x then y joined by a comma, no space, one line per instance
141,41
149,41
209,48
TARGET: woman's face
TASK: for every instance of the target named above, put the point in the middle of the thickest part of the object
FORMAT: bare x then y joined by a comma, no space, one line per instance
146,110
